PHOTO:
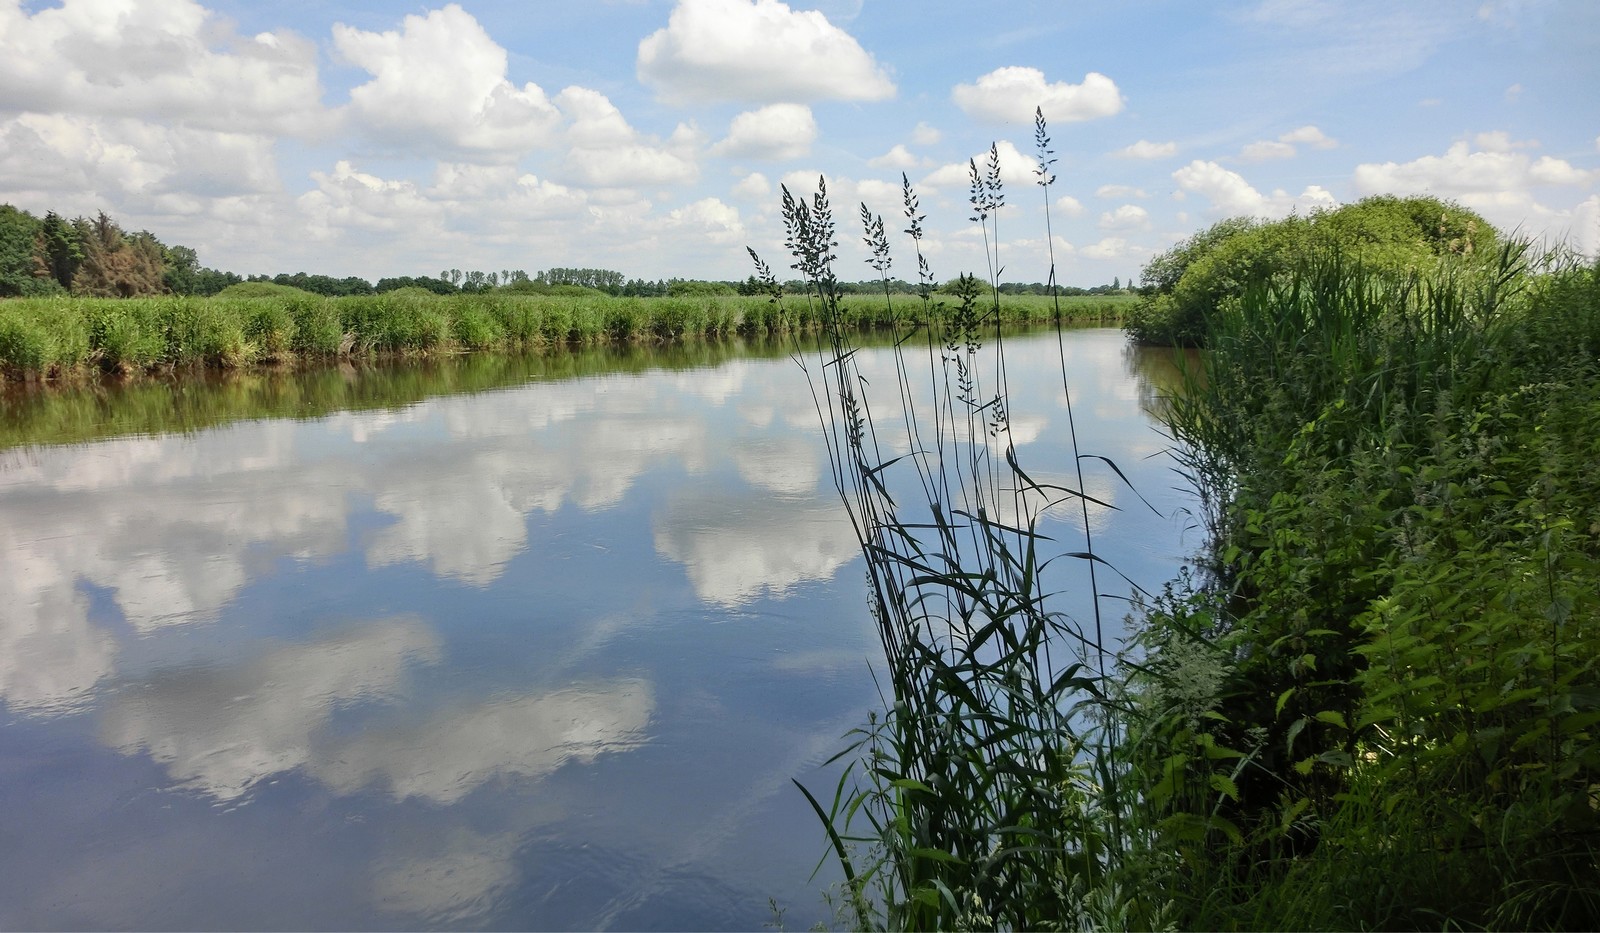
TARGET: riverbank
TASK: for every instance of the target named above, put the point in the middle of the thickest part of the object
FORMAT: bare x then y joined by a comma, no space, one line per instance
63,338
1372,702
1378,707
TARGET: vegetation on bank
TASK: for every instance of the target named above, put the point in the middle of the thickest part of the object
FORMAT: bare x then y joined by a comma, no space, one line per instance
261,323
1209,271
1374,702
1378,707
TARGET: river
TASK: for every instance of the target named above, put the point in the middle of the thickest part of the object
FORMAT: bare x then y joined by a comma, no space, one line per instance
503,643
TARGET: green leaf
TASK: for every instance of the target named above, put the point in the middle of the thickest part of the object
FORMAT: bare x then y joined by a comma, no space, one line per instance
1333,718
1225,786
938,855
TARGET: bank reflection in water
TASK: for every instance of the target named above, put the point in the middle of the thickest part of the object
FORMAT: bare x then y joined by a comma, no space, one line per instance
542,656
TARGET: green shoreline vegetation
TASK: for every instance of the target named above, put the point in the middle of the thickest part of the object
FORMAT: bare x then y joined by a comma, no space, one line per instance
55,338
36,413
1373,702
82,297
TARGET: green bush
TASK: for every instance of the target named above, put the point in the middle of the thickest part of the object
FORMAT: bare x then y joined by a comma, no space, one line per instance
1400,632
198,331
126,336
261,290
25,347
1198,278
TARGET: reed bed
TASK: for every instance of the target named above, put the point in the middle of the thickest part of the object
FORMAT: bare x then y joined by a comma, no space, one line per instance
45,338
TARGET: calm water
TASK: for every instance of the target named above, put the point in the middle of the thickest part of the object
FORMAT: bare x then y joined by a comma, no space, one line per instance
347,651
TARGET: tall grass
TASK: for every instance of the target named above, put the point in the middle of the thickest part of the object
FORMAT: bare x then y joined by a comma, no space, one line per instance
44,338
975,798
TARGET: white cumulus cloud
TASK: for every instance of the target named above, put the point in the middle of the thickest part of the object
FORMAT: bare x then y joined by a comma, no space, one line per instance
1498,182
1501,141
1112,247
1011,94
440,82
753,187
1461,171
1145,149
1126,217
1286,145
776,131
1120,191
608,153
132,159
1070,205
1266,149
1309,136
899,157
757,50
708,219
1016,170
171,62
1231,195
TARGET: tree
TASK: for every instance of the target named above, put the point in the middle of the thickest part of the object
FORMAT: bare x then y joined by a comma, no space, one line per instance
116,265
62,248
23,271
181,269
437,286
603,279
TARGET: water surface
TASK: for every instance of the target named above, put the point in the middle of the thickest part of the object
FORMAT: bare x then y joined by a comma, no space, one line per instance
331,650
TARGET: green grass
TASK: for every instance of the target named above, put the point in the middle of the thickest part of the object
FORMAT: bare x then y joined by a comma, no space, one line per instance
260,323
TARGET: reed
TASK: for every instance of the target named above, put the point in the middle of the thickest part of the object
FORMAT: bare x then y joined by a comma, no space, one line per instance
269,324
976,797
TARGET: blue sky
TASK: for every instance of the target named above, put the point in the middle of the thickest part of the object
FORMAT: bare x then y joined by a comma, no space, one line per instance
651,137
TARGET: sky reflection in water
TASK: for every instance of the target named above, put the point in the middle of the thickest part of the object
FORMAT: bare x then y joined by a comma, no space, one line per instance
539,657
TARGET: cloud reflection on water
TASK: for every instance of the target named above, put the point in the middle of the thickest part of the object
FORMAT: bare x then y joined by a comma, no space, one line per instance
342,709
735,547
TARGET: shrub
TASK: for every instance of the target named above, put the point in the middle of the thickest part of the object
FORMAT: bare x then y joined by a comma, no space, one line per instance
261,290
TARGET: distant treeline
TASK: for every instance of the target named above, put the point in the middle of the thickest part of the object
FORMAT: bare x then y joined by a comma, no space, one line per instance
95,257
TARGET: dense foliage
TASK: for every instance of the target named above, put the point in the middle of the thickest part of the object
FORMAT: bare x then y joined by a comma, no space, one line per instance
1205,274
1380,709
